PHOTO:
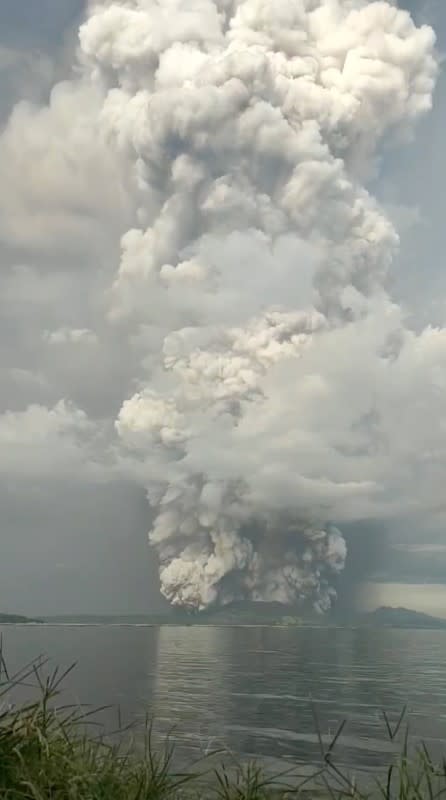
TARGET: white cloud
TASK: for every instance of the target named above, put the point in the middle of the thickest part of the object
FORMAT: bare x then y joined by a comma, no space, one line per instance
194,203
65,193
74,336
56,443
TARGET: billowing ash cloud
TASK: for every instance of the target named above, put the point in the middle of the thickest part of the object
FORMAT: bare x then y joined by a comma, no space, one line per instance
257,274
278,388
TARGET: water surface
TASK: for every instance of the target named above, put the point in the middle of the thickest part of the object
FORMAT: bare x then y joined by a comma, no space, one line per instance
253,690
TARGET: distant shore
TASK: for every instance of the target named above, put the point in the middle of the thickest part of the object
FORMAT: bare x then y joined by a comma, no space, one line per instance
17,619
259,615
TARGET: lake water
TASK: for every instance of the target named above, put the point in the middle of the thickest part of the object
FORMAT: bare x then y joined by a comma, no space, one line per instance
253,690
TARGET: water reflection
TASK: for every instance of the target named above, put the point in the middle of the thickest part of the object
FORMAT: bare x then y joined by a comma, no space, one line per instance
254,690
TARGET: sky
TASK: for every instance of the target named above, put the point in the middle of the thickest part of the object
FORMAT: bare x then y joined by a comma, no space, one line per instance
65,548
74,536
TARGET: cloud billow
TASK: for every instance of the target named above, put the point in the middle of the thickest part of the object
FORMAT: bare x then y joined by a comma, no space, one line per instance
276,389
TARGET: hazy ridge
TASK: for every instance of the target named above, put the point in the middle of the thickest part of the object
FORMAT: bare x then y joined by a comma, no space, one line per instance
247,613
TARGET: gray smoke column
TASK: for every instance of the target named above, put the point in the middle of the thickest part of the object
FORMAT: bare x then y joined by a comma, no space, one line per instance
255,277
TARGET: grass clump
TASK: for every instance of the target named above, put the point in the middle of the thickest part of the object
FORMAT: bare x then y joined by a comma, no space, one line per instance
48,753
45,752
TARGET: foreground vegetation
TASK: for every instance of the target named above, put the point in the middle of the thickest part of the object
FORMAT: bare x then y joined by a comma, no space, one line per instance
46,754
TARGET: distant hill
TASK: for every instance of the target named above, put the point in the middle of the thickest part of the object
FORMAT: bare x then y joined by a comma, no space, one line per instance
249,613
109,619
252,613
388,617
240,613
258,613
15,619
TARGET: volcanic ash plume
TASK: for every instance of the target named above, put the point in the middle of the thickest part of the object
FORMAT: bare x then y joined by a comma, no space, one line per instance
255,275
